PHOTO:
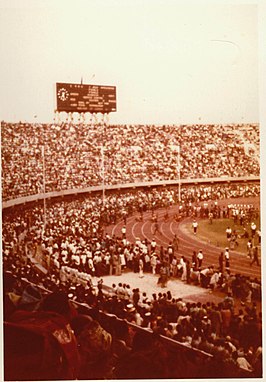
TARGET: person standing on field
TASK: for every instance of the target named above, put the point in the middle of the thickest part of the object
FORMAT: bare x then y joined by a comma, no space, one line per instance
255,256
153,263
249,248
124,231
228,232
253,228
175,243
141,266
227,259
195,227
221,262
200,259
156,227
153,245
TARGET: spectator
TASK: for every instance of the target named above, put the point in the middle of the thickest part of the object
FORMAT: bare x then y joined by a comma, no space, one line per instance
75,164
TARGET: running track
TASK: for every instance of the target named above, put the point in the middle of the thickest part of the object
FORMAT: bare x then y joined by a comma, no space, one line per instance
188,243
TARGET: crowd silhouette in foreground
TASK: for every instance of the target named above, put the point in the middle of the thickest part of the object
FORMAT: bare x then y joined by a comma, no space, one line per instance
99,342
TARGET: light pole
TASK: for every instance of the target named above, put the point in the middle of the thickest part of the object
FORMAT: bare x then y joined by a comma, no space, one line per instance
176,149
105,121
103,174
178,172
44,198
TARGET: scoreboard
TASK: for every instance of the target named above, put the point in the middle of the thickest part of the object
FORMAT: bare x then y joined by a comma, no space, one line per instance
83,98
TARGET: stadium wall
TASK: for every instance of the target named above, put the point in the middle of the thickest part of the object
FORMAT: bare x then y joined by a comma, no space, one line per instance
56,194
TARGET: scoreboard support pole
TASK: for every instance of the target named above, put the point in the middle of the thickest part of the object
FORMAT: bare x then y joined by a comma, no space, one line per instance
95,121
82,99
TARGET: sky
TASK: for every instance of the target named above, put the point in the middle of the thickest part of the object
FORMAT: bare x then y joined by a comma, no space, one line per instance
172,62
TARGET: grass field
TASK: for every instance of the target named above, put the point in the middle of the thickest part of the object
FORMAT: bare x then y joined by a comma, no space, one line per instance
215,233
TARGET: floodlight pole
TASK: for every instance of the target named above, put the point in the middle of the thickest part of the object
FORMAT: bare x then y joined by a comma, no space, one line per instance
44,197
103,175
178,172
105,120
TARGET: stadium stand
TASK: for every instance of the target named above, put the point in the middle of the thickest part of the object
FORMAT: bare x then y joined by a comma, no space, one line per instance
51,271
114,334
73,159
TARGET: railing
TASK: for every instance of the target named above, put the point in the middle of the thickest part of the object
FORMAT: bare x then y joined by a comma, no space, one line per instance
184,361
56,194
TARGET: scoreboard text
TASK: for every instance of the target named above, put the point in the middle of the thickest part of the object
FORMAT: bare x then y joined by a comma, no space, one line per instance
85,98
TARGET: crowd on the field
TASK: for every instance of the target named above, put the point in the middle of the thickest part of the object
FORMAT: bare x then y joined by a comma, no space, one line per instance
78,252
75,237
70,156
232,335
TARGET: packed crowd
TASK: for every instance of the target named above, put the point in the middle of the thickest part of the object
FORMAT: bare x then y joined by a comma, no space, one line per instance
78,251
74,236
100,347
71,157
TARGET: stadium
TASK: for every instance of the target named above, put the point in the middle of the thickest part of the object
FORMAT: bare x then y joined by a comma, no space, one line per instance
129,250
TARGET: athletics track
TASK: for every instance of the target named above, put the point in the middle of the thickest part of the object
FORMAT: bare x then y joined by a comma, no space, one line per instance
239,263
